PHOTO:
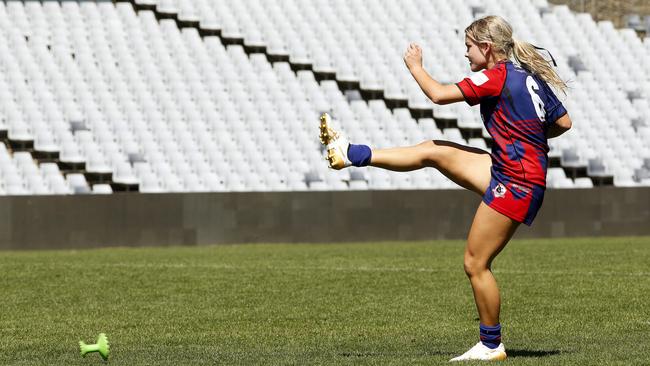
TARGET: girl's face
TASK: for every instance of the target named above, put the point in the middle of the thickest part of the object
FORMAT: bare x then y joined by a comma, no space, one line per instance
476,54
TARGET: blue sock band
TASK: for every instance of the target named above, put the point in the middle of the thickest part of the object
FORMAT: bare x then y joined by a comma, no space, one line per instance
359,155
490,336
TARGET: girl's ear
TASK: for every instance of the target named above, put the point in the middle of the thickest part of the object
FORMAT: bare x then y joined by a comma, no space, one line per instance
485,48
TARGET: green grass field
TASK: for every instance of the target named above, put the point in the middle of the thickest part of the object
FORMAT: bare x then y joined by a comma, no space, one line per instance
565,302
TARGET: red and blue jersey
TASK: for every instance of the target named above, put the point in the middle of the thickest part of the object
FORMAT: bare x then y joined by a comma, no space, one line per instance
517,108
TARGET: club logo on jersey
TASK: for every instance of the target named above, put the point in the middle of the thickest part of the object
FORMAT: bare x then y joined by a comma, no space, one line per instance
499,191
479,78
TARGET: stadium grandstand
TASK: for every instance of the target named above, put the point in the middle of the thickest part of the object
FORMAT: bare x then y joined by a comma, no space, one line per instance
214,96
164,184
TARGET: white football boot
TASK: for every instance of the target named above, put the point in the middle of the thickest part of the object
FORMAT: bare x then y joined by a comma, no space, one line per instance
337,145
481,352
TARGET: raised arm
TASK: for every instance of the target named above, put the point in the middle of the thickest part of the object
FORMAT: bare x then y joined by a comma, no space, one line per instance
437,92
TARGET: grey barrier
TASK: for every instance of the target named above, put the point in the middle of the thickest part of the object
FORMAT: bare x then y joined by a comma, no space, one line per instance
135,219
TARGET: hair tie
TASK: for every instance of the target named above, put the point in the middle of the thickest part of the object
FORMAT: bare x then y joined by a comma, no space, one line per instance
547,51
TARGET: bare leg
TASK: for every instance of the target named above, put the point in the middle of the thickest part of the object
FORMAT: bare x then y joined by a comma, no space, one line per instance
489,234
467,166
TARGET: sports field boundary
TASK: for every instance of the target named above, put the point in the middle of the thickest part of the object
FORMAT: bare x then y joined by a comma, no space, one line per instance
91,221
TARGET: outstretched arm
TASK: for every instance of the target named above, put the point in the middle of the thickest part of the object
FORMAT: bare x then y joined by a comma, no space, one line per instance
437,92
562,125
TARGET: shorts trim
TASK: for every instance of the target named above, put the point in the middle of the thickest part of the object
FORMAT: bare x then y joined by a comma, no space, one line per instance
505,212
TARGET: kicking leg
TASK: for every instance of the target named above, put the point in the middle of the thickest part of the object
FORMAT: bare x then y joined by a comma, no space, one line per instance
466,166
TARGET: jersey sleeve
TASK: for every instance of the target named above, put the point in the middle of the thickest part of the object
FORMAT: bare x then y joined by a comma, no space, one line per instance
554,108
487,83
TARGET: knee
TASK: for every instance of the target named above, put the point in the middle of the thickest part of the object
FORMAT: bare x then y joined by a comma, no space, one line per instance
429,152
474,266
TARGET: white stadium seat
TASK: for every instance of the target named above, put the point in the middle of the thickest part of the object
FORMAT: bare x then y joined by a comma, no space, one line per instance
100,83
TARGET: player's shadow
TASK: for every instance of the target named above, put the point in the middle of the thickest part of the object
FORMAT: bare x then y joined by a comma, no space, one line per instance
531,353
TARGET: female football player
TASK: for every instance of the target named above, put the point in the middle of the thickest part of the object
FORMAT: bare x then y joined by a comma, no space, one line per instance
520,111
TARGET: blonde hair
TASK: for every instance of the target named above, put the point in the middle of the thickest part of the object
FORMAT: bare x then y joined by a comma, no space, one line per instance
497,31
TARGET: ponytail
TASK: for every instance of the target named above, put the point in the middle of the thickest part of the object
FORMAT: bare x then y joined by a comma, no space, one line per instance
527,56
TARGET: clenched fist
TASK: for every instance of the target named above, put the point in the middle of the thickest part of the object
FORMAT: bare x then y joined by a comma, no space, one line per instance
413,56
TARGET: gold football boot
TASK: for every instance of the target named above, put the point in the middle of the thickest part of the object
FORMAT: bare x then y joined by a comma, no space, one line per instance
336,143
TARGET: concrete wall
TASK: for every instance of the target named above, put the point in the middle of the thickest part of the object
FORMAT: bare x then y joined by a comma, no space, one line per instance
31,222
133,219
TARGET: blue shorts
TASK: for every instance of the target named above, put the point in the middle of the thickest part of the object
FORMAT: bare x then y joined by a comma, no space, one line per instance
517,201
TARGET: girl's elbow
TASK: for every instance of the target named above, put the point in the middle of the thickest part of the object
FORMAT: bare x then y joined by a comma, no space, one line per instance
439,100
434,97
565,122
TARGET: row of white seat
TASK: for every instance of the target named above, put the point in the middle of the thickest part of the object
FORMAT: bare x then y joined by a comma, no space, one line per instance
137,109
525,19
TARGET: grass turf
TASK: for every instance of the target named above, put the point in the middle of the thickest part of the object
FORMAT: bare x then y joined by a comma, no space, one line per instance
565,301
